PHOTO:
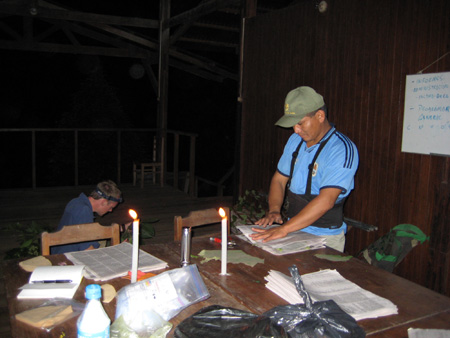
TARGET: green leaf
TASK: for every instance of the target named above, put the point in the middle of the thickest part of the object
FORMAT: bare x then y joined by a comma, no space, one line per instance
26,244
147,230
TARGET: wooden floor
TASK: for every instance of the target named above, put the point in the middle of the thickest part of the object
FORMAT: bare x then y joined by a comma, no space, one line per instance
46,205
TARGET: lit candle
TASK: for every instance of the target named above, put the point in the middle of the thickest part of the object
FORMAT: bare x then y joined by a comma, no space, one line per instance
135,257
224,241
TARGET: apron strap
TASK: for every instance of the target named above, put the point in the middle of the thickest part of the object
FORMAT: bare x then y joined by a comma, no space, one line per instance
311,166
294,158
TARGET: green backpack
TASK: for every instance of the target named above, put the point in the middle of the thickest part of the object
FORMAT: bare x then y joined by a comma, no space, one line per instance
389,250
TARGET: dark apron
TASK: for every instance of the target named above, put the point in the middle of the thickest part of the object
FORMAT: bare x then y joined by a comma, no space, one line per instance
334,217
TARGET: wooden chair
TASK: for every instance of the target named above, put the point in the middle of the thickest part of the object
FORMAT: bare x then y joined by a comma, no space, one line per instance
79,233
198,218
154,167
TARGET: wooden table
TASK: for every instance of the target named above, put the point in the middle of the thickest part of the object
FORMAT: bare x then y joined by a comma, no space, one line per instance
244,288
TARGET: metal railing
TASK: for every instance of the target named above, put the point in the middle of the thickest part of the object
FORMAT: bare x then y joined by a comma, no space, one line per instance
137,145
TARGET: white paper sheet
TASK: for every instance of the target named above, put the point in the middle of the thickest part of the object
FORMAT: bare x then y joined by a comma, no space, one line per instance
293,242
113,261
329,284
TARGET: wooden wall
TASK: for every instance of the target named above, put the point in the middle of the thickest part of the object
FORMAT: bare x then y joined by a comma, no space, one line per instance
357,56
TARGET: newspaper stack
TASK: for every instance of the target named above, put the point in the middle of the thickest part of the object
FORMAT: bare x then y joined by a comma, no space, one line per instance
329,284
113,261
294,242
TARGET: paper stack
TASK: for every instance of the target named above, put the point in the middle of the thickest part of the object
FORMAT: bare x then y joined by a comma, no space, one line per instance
329,284
113,261
294,242
53,282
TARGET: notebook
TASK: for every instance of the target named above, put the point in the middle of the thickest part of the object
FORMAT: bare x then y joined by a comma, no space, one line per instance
53,282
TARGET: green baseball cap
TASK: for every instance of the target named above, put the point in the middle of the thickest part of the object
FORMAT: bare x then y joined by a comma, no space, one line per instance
299,103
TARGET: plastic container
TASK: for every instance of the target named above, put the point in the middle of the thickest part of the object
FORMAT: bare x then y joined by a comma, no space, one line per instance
93,322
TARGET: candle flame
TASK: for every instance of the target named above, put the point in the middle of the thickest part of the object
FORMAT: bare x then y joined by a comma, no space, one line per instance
132,213
222,213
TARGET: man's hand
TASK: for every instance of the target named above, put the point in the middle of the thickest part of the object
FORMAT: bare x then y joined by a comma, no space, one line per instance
269,219
269,234
276,198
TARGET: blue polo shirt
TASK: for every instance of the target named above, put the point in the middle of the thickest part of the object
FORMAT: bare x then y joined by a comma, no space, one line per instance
77,211
335,167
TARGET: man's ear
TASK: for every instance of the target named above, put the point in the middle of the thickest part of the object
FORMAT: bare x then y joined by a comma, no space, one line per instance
320,114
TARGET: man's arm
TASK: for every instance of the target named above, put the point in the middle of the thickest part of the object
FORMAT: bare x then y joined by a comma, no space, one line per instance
310,213
276,198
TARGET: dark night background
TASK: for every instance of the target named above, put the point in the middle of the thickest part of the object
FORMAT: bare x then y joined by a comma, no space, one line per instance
50,90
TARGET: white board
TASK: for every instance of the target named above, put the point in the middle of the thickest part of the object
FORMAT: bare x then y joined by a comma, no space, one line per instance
426,122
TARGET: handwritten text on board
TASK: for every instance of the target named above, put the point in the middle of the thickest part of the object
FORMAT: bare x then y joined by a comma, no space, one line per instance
426,124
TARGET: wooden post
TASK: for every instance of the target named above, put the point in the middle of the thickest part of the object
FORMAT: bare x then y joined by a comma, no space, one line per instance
248,10
76,156
176,154
118,155
33,158
192,167
163,78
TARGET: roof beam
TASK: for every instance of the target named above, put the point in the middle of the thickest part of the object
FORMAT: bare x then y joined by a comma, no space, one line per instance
210,66
210,42
218,27
201,10
48,11
181,30
70,49
126,44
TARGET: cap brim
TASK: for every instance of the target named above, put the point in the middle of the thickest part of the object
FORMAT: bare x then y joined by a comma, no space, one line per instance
288,121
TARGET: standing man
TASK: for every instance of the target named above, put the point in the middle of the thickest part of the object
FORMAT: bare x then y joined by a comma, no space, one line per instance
317,170
102,200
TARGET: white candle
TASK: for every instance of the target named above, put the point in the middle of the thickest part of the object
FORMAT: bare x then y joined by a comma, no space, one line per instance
135,252
224,242
134,263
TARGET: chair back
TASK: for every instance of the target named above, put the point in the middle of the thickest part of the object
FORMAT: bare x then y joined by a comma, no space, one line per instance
198,218
155,149
79,233
153,166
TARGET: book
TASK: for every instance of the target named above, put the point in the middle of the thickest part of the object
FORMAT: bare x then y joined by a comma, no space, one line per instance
294,242
52,282
113,261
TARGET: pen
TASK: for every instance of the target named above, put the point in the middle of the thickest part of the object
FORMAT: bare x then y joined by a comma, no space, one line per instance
53,281
217,240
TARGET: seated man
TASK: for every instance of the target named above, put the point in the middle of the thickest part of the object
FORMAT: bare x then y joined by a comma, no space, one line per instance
81,210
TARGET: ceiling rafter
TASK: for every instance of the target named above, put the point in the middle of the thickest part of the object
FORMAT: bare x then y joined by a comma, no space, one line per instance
207,32
47,10
71,22
202,9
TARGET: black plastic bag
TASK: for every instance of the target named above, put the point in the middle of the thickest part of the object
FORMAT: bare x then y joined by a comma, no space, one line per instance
219,322
320,319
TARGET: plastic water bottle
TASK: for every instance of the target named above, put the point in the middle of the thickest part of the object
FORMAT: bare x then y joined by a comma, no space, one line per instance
93,322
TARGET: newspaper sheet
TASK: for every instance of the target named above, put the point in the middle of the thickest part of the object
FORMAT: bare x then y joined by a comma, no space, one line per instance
113,261
294,242
329,284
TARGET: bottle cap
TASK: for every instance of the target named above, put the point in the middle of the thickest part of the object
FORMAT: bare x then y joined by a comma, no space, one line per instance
93,291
